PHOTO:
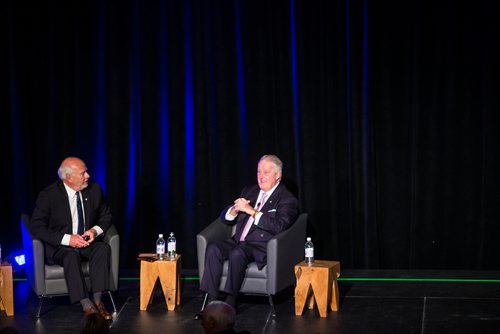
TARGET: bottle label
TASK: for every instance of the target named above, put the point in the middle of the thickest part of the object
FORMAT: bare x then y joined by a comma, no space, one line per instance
160,249
171,246
309,252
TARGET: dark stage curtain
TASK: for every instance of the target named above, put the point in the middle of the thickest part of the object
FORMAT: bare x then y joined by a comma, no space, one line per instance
384,113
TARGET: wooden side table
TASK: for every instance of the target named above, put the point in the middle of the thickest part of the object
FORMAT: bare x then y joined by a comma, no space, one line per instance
317,282
6,289
169,273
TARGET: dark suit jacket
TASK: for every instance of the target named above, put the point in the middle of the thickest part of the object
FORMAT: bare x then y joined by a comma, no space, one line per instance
51,218
279,213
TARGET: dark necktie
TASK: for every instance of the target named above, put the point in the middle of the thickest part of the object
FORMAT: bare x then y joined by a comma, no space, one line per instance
81,225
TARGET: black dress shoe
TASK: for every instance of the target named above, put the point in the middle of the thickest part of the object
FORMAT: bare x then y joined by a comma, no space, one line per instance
89,310
103,312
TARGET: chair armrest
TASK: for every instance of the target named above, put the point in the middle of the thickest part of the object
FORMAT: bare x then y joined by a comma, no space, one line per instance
34,253
284,251
216,231
112,238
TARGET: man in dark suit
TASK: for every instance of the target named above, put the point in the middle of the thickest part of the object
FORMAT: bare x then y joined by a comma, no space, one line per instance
69,216
261,212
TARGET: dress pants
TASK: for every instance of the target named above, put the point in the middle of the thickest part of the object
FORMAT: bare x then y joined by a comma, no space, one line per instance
239,255
98,255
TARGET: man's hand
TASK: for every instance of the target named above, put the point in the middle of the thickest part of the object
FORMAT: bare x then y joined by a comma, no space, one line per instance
84,240
242,204
77,241
90,235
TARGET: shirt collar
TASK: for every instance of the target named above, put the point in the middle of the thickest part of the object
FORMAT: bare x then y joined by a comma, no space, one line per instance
270,192
71,193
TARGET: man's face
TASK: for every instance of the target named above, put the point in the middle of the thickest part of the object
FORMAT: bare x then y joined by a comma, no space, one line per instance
267,175
79,178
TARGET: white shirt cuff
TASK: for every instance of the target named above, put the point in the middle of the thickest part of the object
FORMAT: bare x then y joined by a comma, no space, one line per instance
229,216
98,230
65,240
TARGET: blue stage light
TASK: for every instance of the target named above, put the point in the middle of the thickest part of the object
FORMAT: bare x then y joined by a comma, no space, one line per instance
20,259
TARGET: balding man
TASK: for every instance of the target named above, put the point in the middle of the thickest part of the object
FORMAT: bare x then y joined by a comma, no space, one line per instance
69,216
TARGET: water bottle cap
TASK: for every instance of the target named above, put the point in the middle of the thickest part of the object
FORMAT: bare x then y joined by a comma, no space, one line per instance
160,235
171,233
308,239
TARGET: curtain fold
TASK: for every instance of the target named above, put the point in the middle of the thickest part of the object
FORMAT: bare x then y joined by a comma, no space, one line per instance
385,115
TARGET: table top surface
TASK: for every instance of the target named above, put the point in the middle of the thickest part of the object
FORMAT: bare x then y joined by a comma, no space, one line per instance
319,264
151,257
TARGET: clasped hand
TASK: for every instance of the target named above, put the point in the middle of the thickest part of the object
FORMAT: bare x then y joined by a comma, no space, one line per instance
82,241
242,205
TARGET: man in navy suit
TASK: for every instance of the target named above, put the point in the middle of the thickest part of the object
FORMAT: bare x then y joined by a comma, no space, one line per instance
261,212
69,216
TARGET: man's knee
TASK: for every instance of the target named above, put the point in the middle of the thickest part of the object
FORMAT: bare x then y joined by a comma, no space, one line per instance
237,255
72,259
213,251
103,249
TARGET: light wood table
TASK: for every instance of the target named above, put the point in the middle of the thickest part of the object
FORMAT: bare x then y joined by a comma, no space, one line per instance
169,273
6,289
317,282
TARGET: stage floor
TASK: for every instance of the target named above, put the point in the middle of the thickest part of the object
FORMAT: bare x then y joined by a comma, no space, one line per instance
371,302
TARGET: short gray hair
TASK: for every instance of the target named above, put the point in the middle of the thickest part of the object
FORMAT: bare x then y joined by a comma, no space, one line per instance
274,159
64,171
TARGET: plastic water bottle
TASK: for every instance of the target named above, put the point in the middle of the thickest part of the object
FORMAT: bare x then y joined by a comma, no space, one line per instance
160,247
309,250
172,246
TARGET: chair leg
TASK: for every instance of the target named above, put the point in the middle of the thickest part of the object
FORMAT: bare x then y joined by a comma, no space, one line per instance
112,300
197,316
271,303
204,302
40,302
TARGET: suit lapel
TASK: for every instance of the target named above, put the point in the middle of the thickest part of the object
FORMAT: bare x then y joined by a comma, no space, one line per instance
65,203
86,210
274,196
268,204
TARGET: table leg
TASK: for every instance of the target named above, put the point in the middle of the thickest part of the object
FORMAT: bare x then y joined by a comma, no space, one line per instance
301,291
178,270
6,290
321,290
149,275
169,279
334,300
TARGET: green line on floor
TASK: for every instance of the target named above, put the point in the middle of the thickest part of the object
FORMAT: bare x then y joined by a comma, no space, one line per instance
448,280
356,279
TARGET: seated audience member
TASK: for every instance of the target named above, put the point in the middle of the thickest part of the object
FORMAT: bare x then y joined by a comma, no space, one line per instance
69,216
261,212
9,330
219,317
94,323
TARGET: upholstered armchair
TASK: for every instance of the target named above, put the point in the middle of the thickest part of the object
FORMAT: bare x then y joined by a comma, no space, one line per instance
48,280
284,251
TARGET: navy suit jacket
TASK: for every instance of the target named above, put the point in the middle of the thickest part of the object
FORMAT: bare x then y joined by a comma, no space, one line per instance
278,213
51,218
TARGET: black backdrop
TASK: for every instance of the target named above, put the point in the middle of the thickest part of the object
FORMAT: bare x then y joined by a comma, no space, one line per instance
385,115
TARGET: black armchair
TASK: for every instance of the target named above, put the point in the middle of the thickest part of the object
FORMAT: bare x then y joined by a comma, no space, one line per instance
48,280
284,251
